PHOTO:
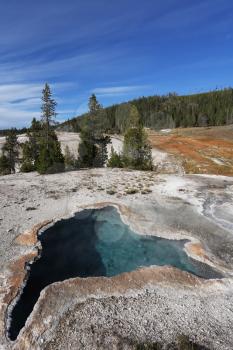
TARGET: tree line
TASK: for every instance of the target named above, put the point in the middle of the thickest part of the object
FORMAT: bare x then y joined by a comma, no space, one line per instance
42,150
4,132
213,108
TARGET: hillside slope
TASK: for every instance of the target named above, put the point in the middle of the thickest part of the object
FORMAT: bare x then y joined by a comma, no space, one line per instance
212,108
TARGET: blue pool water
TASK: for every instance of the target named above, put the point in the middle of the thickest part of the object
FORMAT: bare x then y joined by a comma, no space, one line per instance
96,243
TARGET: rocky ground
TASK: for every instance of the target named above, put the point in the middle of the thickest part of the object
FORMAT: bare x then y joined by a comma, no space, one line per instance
153,304
148,305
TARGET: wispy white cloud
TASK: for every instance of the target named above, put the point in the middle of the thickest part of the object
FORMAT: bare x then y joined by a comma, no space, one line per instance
108,46
13,92
118,90
19,94
14,117
21,71
19,103
192,13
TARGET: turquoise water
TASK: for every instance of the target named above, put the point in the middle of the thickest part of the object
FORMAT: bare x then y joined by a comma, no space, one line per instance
123,250
96,243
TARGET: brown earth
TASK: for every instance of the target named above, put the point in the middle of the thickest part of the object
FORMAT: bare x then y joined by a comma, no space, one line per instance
202,150
29,237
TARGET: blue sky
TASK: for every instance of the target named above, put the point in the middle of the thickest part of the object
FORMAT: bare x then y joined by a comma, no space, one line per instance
116,49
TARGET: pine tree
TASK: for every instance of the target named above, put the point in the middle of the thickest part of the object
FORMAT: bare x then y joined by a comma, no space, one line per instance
127,115
50,159
34,135
102,152
27,164
94,105
115,160
4,165
31,148
48,109
170,111
136,148
93,147
87,148
11,149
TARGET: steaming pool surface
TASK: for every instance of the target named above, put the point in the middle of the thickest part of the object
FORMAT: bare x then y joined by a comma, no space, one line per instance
96,243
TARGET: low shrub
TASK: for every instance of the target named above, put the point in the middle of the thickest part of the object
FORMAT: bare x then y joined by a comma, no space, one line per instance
131,190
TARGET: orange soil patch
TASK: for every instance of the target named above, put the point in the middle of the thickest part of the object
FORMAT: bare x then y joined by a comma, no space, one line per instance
202,150
197,249
18,274
29,237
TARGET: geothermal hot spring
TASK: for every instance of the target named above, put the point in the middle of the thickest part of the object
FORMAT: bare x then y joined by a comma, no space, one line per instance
96,243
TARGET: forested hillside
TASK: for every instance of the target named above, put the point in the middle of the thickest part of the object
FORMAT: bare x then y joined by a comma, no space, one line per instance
170,111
